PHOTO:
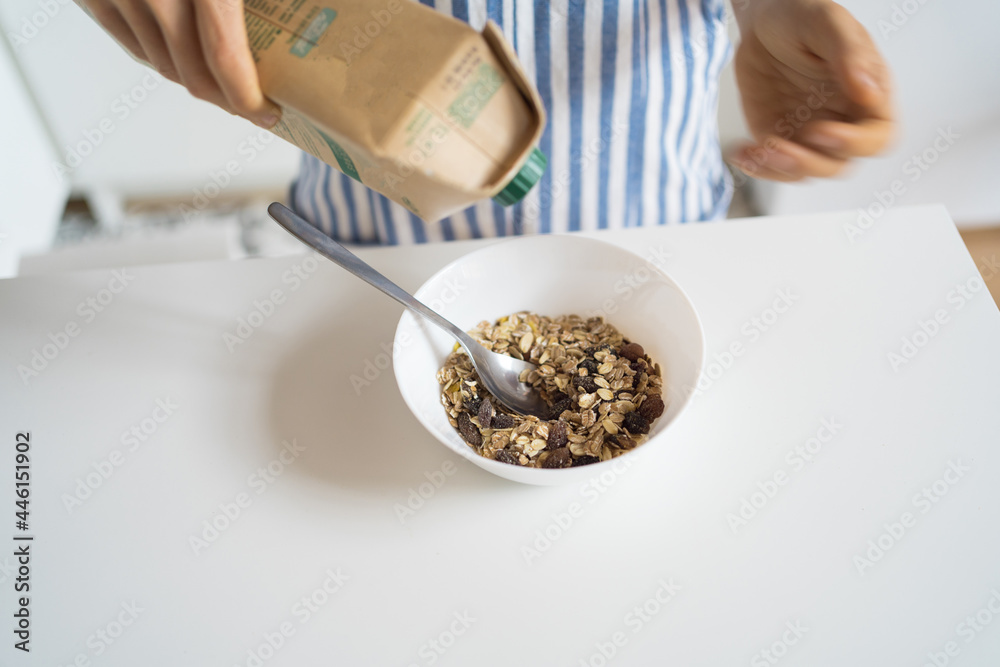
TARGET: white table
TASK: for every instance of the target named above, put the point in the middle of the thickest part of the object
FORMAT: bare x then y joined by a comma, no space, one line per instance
654,565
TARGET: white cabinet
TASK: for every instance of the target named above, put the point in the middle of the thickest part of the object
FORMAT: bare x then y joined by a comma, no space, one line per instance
31,196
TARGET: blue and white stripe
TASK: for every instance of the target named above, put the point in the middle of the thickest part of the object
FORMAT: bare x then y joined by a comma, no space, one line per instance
631,91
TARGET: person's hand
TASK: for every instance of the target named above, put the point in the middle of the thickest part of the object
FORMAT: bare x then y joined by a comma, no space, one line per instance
200,44
815,90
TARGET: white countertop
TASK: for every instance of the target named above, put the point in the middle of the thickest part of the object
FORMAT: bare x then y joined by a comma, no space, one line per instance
468,577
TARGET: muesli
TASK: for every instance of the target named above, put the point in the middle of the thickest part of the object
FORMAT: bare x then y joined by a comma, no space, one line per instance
603,390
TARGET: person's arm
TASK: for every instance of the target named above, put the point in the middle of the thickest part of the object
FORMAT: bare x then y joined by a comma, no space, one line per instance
815,90
200,44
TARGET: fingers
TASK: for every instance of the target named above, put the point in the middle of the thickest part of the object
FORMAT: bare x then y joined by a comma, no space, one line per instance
201,44
828,47
177,20
113,21
227,54
838,38
147,32
778,159
846,140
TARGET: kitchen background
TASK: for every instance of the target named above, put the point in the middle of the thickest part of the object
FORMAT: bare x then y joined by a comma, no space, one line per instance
105,164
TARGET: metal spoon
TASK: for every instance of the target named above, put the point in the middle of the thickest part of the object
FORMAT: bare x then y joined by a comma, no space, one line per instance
498,372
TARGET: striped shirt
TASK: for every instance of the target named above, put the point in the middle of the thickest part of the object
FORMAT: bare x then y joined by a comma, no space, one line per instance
631,92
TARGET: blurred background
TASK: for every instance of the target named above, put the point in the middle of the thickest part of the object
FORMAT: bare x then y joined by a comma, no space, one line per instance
104,163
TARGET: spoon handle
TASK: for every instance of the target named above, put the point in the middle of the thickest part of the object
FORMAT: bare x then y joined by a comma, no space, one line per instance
326,246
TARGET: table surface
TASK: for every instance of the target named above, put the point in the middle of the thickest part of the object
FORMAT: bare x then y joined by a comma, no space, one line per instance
831,496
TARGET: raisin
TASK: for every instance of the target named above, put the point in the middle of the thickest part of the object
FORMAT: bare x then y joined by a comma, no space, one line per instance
472,404
584,460
631,351
505,456
639,365
637,379
558,458
591,351
590,365
469,430
486,413
635,423
501,421
625,442
651,408
558,397
585,383
560,407
557,436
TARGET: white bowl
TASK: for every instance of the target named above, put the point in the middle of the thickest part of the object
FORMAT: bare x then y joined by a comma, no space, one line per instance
550,275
